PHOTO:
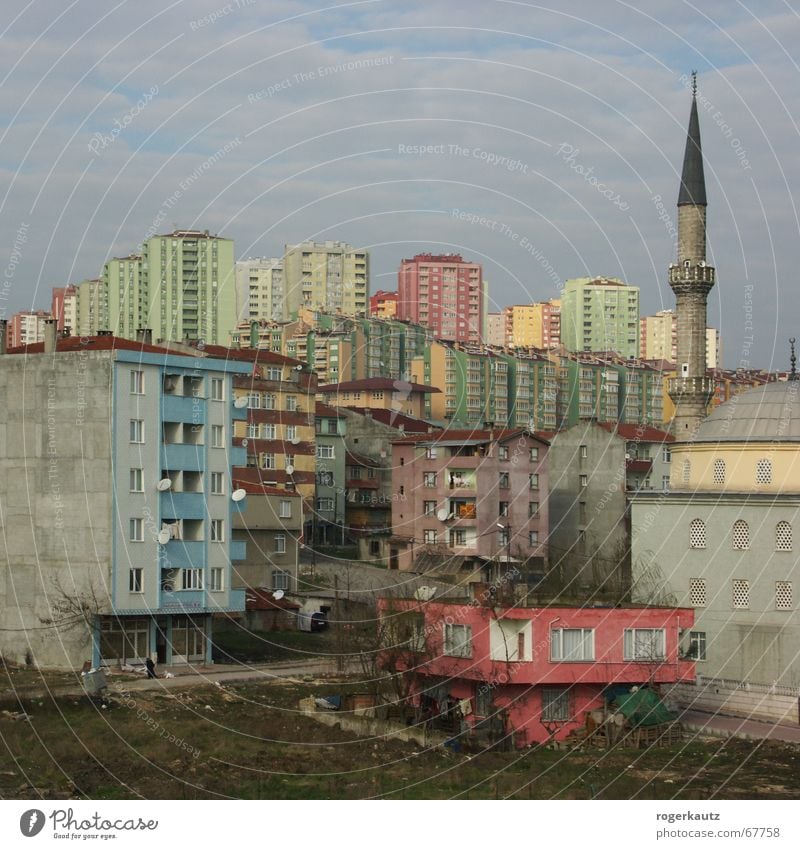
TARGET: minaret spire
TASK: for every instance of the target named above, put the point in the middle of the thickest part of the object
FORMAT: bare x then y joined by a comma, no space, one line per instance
691,280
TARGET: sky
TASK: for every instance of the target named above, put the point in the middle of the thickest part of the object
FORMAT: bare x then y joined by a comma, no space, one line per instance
543,140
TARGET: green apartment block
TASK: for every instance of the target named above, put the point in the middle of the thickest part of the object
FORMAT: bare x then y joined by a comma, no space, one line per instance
128,304
600,314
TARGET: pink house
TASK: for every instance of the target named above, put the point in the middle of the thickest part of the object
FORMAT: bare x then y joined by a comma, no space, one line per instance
535,670
470,501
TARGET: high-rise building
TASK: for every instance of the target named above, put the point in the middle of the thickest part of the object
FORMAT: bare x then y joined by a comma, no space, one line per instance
129,307
444,293
64,308
600,314
533,325
691,279
260,295
330,276
91,308
659,339
495,333
26,327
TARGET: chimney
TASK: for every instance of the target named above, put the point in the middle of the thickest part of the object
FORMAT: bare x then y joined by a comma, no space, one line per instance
3,335
49,336
66,332
104,333
144,335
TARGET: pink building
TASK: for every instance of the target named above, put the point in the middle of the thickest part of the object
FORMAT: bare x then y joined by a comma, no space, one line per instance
470,501
530,672
443,293
64,307
383,304
26,328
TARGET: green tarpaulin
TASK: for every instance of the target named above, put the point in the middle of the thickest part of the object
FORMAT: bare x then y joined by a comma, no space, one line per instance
643,708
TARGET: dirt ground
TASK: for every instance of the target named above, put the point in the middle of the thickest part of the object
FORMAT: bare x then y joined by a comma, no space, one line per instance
249,741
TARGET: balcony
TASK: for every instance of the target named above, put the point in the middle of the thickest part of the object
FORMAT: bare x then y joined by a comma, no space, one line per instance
189,410
189,458
182,505
184,554
238,550
180,600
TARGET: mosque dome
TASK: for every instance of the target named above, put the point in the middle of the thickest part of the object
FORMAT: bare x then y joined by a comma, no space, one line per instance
768,413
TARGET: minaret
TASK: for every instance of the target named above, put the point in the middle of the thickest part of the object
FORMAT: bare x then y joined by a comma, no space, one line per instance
691,280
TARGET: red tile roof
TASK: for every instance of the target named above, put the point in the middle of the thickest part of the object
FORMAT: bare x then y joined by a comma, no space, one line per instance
66,344
394,419
637,433
499,435
252,355
265,600
321,409
376,383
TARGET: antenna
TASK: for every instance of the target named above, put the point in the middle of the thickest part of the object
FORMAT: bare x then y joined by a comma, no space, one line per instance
240,403
295,440
694,84
290,469
238,495
278,595
164,484
442,514
163,537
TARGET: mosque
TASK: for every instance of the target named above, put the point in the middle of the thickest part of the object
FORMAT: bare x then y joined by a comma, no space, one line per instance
721,539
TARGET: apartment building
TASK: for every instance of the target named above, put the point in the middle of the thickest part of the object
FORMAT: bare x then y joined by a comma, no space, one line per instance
64,308
600,314
260,293
331,276
328,516
379,393
533,325
383,304
659,339
26,328
116,485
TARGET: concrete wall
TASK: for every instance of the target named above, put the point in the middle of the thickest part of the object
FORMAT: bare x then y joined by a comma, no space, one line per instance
55,500
752,702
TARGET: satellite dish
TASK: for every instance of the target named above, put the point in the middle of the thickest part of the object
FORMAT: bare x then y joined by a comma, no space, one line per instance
164,484
278,595
424,593
244,443
238,495
290,470
163,537
442,514
295,440
240,403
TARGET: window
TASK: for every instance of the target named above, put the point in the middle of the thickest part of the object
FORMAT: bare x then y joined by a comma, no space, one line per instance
291,432
533,509
270,401
646,644
217,576
502,452
192,579
136,580
325,478
137,383
430,453
458,536
286,509
697,533
137,530
584,480
572,644
280,543
783,595
741,594
428,508
696,647
268,461
555,704
503,509
687,471
429,480
533,537
665,482
324,504
504,480
217,389
783,536
533,481
741,535
666,455
137,430
764,471
274,373
217,436
429,537
269,431
291,403
719,471
137,480
697,592
217,530
217,483
457,640
534,455
254,401
325,452
280,579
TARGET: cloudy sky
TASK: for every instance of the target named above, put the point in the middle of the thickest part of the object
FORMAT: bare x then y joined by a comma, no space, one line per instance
543,140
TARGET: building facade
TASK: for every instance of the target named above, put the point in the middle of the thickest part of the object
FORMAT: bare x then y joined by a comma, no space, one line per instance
26,328
445,294
600,314
260,293
138,564
328,524
533,325
383,304
331,276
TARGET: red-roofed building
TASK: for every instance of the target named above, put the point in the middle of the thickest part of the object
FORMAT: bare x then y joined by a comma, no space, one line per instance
383,304
379,393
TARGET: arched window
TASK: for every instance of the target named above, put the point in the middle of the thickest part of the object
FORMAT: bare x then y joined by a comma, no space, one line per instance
764,471
697,533
719,471
687,470
783,536
741,535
